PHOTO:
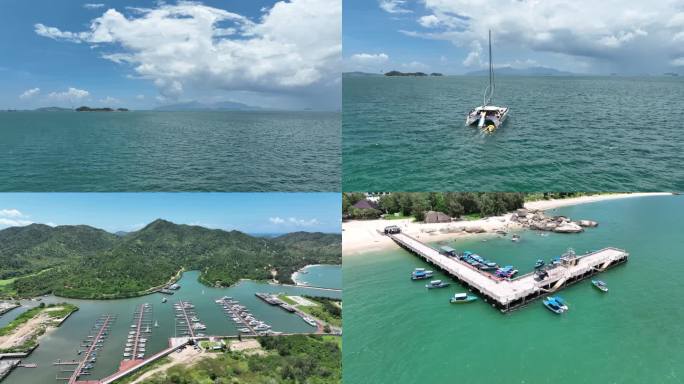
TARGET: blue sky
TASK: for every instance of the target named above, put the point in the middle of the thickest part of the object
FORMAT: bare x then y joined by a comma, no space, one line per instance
450,36
144,53
247,212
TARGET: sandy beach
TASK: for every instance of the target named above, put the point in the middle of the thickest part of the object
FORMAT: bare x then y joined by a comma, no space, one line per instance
362,236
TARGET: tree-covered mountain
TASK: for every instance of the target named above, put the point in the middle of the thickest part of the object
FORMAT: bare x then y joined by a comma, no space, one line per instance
84,262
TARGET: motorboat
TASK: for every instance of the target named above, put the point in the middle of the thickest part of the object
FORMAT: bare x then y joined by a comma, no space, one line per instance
462,298
600,285
421,274
540,263
436,284
552,306
488,117
559,302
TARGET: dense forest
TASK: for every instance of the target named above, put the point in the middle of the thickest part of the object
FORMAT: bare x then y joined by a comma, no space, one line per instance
290,360
416,204
454,204
84,262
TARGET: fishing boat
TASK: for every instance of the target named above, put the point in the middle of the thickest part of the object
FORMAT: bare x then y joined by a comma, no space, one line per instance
507,271
600,285
515,238
559,302
552,306
488,117
462,298
540,263
436,284
164,300
421,274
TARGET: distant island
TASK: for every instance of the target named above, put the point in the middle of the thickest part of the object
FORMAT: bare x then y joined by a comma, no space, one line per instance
360,74
219,106
53,109
107,109
397,73
531,71
673,74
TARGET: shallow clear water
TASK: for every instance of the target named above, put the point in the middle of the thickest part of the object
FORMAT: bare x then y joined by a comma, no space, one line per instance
63,342
324,276
564,134
170,151
396,331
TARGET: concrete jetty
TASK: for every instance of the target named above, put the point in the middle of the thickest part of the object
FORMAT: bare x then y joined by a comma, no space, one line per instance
509,294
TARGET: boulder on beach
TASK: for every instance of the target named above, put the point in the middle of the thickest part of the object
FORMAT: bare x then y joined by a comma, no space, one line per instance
437,217
568,227
475,230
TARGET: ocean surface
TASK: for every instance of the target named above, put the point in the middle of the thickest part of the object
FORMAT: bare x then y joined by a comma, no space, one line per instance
563,134
169,151
320,275
63,342
396,331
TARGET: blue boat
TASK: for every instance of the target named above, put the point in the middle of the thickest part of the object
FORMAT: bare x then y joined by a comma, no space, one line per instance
539,264
507,271
559,302
552,306
600,285
462,298
436,284
421,274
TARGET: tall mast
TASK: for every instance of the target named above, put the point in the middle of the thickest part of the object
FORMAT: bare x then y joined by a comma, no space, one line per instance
489,91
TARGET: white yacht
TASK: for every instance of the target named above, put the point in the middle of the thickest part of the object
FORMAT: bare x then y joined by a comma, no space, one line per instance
488,117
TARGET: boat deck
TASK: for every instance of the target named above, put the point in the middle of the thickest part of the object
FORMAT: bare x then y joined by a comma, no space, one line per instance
508,294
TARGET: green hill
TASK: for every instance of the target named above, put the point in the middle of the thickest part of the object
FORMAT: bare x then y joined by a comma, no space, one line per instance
84,262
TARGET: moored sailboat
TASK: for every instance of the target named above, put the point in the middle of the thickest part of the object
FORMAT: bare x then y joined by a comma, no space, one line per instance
488,117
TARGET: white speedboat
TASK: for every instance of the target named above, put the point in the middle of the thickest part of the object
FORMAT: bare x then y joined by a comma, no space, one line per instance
488,117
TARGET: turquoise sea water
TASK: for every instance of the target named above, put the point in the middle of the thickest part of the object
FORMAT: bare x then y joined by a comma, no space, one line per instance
169,151
564,134
322,275
396,331
63,342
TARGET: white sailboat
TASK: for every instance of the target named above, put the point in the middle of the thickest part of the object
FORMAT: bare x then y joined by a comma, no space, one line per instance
488,117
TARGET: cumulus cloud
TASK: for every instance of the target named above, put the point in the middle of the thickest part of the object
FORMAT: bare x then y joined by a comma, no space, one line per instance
394,6
93,5
110,100
13,218
29,93
294,221
621,32
276,220
292,46
72,94
474,56
369,58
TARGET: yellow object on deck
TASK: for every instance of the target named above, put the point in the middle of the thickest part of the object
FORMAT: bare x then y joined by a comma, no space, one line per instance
490,128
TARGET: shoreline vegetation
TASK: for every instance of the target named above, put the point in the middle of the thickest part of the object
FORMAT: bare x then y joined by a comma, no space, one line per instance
363,236
282,359
88,263
21,335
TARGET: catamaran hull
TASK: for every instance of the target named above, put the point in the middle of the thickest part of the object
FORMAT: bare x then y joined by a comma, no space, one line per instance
488,121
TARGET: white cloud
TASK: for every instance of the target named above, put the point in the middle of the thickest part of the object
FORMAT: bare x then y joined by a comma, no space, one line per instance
619,32
302,222
93,5
11,213
72,94
292,46
140,97
415,66
474,57
29,93
394,6
369,58
293,221
678,62
13,218
276,220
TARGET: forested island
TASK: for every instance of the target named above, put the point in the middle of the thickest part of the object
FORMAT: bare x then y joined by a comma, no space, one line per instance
419,74
86,262
106,109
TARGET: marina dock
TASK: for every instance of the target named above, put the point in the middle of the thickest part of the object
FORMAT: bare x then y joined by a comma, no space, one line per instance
187,322
134,351
93,343
509,294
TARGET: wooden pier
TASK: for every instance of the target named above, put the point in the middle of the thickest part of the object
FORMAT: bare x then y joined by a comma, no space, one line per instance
94,344
509,294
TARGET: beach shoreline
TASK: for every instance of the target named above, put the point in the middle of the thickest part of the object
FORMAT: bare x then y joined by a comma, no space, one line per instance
364,236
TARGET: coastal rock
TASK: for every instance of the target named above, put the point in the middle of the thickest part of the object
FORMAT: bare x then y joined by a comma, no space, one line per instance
475,230
568,227
588,223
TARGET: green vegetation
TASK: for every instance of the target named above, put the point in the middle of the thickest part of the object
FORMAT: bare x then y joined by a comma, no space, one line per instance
56,315
84,262
416,204
287,299
328,310
557,195
291,360
155,364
